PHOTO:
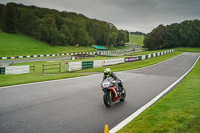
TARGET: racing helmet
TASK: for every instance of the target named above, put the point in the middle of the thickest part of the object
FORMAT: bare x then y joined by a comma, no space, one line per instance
107,72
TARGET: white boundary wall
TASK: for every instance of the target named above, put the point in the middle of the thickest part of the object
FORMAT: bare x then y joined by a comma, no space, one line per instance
113,61
73,66
97,63
17,69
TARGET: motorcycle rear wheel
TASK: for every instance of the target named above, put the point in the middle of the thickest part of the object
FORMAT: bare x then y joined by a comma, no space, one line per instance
107,98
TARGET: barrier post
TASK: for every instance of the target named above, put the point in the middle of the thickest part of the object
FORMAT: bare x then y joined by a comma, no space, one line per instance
106,130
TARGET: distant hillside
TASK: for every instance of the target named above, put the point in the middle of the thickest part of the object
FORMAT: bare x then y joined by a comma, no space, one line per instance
59,28
136,39
19,45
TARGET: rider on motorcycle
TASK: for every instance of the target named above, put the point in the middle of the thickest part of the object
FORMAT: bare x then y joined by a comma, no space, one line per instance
108,73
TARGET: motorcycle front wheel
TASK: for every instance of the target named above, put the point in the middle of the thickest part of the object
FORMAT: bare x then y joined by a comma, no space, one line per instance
107,98
123,95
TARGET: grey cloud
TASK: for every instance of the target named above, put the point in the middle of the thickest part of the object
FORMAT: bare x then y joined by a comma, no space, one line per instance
131,15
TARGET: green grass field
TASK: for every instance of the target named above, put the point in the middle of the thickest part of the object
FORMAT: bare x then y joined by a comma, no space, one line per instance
21,45
177,112
188,49
136,39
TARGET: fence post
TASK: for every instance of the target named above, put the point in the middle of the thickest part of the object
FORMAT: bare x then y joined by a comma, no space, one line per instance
60,67
32,68
42,68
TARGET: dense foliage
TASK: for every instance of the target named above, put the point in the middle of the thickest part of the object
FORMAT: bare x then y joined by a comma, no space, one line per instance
137,33
59,28
185,34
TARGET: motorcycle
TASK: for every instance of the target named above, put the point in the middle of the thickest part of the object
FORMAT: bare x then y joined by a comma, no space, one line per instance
112,92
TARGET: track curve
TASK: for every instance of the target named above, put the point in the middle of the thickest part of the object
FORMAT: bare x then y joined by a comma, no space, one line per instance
76,104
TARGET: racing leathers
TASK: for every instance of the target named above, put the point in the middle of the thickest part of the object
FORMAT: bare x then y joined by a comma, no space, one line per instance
115,78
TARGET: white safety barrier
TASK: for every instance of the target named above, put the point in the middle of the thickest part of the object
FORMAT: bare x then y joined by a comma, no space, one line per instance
98,63
143,57
149,56
73,66
113,61
17,69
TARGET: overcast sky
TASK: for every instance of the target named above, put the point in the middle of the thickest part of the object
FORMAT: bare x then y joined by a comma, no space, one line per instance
131,15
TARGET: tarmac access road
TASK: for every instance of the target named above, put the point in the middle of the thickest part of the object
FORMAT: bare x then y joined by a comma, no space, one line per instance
7,62
76,105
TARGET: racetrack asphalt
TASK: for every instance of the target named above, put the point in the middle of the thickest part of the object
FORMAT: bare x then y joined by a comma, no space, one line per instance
76,105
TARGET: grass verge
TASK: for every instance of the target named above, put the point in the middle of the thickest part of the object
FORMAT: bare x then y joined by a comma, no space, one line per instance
37,76
188,49
178,111
21,45
136,39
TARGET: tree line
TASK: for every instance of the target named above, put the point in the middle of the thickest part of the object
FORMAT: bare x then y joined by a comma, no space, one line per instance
137,33
59,28
184,34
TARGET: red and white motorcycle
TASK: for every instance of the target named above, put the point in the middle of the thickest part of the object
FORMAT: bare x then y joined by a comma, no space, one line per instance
112,92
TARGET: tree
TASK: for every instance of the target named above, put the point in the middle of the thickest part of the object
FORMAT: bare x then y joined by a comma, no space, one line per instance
49,30
67,37
155,38
59,28
122,37
1,13
81,37
185,34
172,36
9,21
112,38
27,21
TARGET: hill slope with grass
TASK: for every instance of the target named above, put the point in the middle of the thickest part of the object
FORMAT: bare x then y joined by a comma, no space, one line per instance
19,45
136,39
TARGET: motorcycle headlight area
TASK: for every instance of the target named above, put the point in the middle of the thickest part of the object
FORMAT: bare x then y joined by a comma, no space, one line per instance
105,85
